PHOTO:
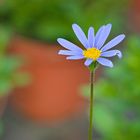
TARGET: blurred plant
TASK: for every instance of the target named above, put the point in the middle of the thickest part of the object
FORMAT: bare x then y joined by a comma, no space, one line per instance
10,77
117,113
47,19
1,127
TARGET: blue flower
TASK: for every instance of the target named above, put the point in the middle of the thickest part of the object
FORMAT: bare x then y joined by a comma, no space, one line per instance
95,48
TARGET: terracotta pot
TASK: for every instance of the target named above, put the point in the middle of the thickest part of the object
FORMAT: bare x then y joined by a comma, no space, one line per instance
134,15
54,93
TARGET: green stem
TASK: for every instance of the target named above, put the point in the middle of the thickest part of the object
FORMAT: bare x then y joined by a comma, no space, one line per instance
91,105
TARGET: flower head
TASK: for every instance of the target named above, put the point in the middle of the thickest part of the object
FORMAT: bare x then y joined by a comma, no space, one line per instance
95,48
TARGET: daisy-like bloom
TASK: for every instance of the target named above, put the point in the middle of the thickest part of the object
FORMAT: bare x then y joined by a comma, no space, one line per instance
95,48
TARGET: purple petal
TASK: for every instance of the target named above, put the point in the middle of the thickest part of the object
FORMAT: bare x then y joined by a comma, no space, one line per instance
88,62
67,52
113,42
112,53
103,36
98,34
91,37
105,62
80,35
68,45
75,57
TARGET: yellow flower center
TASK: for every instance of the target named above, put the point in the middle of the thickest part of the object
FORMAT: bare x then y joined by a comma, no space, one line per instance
92,53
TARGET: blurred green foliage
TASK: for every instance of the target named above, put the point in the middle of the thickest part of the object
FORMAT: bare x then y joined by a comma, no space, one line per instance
117,97
49,19
1,127
10,77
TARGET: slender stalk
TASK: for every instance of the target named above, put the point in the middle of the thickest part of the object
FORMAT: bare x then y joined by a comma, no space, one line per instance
91,105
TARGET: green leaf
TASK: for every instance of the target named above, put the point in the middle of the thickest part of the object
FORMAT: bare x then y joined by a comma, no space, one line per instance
103,119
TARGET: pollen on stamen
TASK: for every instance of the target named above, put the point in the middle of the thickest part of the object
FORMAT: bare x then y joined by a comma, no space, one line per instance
92,53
